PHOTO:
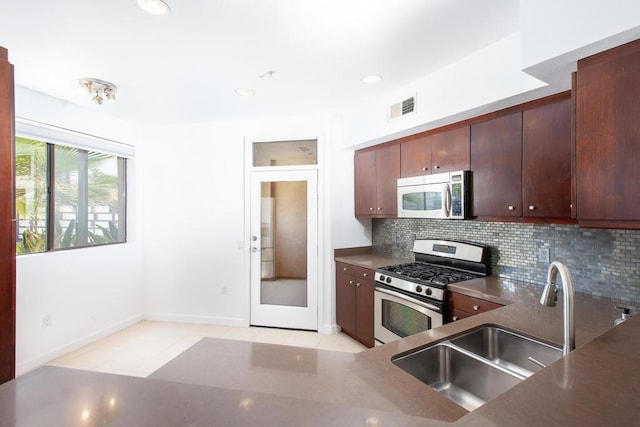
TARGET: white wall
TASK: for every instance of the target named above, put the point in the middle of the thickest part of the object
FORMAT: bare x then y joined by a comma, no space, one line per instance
88,292
552,28
192,188
487,80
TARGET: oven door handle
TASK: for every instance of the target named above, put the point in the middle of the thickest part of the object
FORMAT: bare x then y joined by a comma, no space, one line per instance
408,298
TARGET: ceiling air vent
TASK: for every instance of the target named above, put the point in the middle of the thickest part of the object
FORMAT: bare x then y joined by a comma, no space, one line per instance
403,108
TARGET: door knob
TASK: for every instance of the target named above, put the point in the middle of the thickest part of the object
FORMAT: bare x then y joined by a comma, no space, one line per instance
254,249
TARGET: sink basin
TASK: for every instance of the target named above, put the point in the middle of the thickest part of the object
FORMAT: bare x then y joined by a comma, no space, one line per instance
463,377
508,349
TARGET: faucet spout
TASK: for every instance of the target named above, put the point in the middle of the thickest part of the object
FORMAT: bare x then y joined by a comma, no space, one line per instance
549,298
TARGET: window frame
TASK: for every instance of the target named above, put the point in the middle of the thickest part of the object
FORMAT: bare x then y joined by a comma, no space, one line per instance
122,152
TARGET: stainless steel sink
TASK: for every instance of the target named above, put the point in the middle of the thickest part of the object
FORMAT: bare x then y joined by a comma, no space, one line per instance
509,350
475,367
462,377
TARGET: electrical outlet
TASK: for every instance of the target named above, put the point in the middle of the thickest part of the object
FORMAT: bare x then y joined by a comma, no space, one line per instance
412,237
46,321
225,290
543,255
394,237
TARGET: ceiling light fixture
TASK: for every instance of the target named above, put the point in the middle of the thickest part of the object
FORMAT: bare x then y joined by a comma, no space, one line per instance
154,7
245,91
99,90
371,79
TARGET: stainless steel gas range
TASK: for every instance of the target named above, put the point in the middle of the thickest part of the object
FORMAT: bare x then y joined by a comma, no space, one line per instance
412,297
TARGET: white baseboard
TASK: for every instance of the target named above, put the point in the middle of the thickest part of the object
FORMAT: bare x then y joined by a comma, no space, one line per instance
183,318
329,329
38,361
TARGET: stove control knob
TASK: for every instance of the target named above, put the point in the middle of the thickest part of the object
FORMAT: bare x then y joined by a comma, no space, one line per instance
388,279
419,289
382,278
428,291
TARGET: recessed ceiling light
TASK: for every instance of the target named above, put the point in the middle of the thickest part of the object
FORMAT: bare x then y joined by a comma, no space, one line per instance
245,91
154,7
373,78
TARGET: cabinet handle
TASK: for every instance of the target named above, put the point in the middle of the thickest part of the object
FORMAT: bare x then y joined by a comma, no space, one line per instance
437,167
379,209
512,208
345,268
370,209
425,169
358,284
351,282
531,207
476,307
454,318
365,274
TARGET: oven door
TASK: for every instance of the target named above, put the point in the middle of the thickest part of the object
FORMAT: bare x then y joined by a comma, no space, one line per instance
424,201
397,316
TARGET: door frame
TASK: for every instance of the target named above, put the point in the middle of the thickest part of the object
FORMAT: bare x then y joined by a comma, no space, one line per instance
294,317
245,244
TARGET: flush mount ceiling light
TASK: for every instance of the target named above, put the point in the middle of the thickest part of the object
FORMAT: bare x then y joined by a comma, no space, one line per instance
99,90
154,7
245,91
371,79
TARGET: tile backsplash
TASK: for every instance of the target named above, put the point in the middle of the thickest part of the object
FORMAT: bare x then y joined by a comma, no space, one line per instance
603,262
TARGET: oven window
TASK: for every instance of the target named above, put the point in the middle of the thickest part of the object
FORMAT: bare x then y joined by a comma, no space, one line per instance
422,201
402,320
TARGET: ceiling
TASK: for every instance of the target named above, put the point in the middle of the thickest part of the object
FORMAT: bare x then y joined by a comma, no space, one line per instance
185,66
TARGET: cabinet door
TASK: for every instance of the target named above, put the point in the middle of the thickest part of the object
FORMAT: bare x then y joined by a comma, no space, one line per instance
546,160
7,222
608,135
364,312
365,183
346,302
387,174
450,150
496,162
415,157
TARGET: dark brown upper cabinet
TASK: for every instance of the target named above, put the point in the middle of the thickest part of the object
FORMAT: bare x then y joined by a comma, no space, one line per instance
546,160
445,151
608,138
496,164
376,181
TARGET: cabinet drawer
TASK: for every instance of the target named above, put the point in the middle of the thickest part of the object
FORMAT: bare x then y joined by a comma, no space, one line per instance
457,315
355,271
471,305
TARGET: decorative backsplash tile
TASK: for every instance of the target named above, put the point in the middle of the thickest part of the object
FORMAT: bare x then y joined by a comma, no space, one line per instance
603,262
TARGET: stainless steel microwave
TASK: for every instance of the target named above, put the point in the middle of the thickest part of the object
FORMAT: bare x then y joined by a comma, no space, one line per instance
443,195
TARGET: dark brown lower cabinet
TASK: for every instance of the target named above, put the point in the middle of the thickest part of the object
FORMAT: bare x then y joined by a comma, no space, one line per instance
355,302
461,306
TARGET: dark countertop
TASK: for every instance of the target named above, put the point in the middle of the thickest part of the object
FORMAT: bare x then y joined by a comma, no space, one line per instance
605,363
225,382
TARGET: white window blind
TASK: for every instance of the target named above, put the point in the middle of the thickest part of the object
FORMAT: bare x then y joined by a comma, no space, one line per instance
57,135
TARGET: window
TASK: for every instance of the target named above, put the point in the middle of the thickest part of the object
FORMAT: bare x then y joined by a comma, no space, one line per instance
67,197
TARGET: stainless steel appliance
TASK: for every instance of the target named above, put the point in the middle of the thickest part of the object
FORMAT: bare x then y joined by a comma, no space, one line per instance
443,195
412,297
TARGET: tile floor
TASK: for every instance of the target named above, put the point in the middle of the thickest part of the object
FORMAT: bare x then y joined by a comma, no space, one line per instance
144,347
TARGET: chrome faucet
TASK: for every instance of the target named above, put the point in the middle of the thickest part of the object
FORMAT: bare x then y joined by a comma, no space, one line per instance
550,297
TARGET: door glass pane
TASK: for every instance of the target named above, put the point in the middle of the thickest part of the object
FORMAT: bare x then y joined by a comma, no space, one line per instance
285,153
283,237
402,320
31,195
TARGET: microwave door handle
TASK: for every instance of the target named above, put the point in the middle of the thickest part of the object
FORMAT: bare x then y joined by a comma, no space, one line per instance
447,200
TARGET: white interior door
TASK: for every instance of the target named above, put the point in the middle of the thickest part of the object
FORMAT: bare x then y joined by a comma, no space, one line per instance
284,254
